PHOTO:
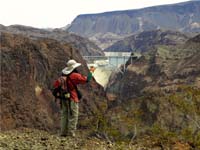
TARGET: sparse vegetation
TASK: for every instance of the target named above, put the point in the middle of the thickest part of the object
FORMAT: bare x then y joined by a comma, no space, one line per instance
166,118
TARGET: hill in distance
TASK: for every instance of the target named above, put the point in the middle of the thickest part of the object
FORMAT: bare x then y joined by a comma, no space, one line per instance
83,45
107,28
147,40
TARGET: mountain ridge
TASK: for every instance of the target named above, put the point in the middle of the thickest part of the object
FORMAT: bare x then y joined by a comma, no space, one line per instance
130,10
147,40
183,17
84,45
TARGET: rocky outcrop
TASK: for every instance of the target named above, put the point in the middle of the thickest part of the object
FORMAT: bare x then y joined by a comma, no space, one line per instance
147,40
182,17
168,118
85,46
163,66
194,41
28,69
158,94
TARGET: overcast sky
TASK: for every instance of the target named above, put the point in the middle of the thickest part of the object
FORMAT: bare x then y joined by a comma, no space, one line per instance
59,13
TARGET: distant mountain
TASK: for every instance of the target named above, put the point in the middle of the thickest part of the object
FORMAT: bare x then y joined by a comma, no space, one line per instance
83,45
147,40
183,17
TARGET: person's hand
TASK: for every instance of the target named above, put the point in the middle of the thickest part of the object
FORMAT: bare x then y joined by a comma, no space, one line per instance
92,69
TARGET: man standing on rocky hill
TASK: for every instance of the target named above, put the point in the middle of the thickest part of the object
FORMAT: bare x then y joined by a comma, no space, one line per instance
69,102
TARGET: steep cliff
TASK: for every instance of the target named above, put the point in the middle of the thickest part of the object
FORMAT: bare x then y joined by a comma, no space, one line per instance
162,67
158,95
179,17
28,69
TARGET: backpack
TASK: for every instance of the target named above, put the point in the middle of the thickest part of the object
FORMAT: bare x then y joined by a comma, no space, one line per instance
59,92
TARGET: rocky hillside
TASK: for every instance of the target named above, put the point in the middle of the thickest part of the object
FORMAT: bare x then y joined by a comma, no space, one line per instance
147,40
153,105
28,69
163,67
85,46
184,17
158,95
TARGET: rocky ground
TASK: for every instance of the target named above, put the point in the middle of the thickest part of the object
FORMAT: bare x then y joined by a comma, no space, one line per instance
32,139
39,140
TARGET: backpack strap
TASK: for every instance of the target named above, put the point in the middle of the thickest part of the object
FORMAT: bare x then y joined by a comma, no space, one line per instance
63,83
